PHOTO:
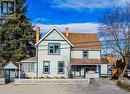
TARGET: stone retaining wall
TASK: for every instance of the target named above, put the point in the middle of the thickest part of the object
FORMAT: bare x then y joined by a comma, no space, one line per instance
51,81
2,81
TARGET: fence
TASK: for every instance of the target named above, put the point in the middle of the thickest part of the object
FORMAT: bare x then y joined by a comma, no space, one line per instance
51,81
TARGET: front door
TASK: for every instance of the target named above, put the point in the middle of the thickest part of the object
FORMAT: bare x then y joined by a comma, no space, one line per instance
77,71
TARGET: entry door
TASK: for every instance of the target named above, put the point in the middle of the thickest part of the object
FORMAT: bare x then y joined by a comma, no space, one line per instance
77,71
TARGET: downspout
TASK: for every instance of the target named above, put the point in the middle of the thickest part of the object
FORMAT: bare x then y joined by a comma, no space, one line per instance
36,61
99,70
70,62
85,71
107,70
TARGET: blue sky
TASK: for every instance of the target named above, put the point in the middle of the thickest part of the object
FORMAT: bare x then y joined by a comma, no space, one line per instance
65,11
78,15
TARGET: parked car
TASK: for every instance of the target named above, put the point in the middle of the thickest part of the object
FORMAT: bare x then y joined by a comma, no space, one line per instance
127,73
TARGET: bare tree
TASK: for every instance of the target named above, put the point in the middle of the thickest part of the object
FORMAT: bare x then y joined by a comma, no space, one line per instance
115,28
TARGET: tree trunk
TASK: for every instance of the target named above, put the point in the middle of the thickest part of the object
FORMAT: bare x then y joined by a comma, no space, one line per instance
124,69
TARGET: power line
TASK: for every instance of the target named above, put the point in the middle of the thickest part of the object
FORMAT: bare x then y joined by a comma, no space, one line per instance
66,48
81,42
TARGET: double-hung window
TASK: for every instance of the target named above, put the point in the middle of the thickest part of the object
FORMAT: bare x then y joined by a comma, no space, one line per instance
85,54
60,67
30,67
46,67
54,49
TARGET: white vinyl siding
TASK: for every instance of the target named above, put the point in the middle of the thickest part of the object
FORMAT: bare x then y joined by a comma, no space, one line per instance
63,56
91,54
76,54
94,54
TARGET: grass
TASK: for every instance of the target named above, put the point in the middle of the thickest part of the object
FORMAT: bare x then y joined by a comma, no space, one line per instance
123,86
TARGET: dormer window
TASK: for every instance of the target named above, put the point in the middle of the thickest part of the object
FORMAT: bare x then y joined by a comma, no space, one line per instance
85,54
53,48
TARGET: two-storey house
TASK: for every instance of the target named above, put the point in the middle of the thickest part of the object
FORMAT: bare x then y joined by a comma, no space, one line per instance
64,55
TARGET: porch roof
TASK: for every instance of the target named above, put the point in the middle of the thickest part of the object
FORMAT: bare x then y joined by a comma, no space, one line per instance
78,61
11,65
30,60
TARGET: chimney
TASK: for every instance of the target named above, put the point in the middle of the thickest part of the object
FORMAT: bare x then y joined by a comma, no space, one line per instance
37,33
66,31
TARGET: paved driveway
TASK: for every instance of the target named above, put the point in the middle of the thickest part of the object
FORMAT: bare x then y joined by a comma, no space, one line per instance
99,87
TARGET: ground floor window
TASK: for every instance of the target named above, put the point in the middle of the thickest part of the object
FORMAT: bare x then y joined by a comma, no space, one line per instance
46,67
91,68
60,67
28,67
31,67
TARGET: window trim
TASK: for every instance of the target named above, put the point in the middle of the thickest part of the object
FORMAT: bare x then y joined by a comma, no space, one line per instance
63,67
48,67
53,45
87,53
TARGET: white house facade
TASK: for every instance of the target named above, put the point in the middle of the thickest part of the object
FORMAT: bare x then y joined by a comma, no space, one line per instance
65,55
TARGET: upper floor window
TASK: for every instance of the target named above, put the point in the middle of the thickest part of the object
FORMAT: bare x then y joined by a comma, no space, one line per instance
7,7
85,53
54,48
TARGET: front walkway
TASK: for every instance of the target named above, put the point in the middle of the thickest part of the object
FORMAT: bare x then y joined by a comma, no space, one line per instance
104,86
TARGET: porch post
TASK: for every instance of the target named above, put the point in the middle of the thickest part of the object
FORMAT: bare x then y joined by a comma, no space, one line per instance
9,73
84,71
19,71
4,73
99,71
15,73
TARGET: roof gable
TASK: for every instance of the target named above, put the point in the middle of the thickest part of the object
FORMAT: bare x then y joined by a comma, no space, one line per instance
51,33
54,35
30,60
10,65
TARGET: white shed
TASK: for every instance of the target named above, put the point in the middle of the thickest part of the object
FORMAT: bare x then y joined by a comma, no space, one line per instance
10,71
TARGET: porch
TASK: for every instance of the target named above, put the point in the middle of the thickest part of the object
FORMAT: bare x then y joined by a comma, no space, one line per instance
85,69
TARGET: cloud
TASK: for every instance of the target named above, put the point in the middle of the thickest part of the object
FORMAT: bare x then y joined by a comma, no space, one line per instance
73,27
83,4
37,20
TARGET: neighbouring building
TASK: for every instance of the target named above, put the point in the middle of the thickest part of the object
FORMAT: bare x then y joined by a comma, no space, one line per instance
111,60
10,71
64,55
